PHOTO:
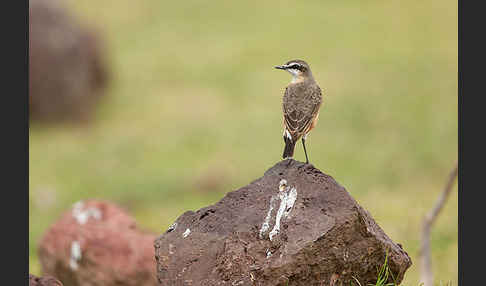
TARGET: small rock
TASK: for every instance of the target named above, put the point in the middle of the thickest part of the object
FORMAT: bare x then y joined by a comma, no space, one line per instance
67,67
43,281
97,243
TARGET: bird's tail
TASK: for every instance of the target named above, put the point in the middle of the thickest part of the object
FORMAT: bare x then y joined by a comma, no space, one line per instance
289,148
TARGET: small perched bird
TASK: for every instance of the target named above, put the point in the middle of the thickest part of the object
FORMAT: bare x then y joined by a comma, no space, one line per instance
301,103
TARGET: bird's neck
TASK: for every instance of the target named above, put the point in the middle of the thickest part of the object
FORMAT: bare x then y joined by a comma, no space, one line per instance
297,79
301,79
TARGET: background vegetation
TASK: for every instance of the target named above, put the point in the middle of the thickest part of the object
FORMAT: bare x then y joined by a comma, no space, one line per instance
194,111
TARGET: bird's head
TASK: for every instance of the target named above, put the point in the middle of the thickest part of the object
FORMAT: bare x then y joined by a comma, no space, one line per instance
299,70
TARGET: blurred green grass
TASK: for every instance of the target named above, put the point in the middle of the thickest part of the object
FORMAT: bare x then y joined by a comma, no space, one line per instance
194,111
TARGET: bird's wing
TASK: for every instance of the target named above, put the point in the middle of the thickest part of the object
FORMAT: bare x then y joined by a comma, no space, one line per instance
300,112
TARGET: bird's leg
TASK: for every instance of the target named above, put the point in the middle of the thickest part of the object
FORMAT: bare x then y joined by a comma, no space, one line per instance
305,151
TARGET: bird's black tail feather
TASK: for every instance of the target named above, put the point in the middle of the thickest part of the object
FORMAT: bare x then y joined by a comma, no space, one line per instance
289,148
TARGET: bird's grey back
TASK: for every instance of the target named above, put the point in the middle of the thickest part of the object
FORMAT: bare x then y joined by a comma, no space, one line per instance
302,97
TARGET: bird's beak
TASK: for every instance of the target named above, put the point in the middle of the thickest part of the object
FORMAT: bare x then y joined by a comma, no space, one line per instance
281,67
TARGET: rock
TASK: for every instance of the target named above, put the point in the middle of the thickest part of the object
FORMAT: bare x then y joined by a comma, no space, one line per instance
97,243
67,66
43,281
293,226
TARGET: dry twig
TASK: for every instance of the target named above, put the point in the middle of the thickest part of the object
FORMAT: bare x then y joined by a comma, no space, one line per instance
426,270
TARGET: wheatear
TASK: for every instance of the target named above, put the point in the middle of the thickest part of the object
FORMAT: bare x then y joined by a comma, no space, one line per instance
301,103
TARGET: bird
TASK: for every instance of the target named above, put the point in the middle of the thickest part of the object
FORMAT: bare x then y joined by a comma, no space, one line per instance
301,103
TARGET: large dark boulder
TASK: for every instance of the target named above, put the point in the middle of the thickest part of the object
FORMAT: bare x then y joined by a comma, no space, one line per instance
293,226
96,243
67,66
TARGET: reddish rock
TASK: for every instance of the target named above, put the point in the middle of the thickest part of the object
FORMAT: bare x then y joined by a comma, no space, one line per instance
67,68
97,243
293,226
43,281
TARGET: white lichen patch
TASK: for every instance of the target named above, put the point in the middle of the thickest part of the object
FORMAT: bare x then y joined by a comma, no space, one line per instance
276,227
287,197
75,255
172,227
186,233
291,198
266,222
82,216
282,185
287,200
269,253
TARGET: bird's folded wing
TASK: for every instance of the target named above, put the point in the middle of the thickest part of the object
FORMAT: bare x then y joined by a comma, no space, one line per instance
298,120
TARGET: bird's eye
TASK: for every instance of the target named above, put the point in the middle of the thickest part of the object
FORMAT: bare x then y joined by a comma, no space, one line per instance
295,66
